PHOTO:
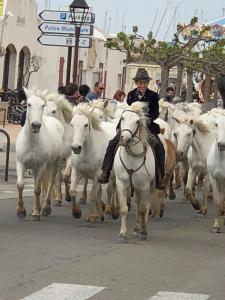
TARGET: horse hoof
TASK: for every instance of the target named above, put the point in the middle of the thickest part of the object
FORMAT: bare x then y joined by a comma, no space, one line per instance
35,217
68,198
21,214
196,206
122,239
216,229
77,213
161,213
115,215
83,201
46,211
58,203
150,212
102,218
103,206
142,235
172,196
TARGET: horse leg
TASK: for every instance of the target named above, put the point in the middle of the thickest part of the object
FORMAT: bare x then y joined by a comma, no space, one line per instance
97,206
206,187
83,196
37,206
122,192
66,179
75,178
178,183
49,177
21,210
172,194
218,199
58,189
189,189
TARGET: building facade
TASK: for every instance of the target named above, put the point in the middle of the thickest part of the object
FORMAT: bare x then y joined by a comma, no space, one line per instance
19,41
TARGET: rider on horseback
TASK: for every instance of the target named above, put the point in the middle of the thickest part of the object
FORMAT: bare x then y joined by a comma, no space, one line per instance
143,94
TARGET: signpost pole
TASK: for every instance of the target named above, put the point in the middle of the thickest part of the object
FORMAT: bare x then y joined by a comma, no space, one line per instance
69,60
76,53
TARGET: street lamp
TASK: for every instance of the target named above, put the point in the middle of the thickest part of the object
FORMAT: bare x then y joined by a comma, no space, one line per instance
79,10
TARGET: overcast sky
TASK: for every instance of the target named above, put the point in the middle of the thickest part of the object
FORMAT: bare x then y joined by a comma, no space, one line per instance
143,12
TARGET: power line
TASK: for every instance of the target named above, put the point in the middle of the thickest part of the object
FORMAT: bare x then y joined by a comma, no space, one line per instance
156,14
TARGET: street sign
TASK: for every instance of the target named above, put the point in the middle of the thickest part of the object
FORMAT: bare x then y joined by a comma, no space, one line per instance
64,41
64,28
65,16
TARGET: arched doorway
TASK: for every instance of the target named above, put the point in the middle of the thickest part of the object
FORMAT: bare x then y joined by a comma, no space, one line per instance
9,69
22,67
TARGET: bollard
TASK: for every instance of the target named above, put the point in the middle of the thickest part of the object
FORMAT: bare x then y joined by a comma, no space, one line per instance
7,154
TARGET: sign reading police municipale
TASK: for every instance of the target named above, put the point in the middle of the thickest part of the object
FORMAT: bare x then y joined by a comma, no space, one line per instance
64,41
66,16
64,28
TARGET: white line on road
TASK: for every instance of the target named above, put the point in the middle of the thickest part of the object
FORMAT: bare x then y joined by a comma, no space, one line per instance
179,296
61,291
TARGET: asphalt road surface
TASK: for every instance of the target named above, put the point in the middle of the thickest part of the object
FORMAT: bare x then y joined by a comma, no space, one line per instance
181,256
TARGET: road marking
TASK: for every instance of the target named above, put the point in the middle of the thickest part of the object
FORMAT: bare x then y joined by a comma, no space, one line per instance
61,291
178,296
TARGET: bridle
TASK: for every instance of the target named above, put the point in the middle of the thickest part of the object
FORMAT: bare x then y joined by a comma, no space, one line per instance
127,147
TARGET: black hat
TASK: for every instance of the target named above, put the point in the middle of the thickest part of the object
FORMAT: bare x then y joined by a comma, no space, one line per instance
142,75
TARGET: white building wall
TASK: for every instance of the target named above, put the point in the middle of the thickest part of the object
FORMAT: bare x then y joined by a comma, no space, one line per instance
22,30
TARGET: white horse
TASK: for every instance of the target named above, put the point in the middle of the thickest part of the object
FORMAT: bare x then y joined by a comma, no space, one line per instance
38,148
134,167
58,107
89,143
195,136
216,170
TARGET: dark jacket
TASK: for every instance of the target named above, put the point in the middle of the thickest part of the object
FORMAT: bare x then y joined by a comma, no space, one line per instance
152,99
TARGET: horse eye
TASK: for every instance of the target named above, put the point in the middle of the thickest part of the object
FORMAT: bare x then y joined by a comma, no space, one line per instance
54,111
29,105
86,125
71,124
43,106
216,124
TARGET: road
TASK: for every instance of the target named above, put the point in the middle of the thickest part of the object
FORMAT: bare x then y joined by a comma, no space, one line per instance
181,255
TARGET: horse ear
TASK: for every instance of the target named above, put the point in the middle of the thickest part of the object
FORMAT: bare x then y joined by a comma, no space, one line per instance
44,93
106,103
27,92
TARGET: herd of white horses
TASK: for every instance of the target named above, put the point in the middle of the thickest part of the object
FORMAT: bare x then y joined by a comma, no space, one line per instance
64,144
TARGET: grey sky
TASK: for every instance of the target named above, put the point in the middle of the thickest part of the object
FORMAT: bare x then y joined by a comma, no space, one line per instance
142,13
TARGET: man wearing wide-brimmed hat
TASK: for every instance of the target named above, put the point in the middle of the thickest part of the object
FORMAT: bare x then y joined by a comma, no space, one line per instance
143,94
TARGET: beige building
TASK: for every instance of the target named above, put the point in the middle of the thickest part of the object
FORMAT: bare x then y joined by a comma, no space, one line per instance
19,41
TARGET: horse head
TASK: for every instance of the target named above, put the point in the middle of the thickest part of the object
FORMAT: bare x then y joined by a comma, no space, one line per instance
36,102
82,123
219,125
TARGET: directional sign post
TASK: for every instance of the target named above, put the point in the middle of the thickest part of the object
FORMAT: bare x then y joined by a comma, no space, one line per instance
68,29
66,16
64,41
62,28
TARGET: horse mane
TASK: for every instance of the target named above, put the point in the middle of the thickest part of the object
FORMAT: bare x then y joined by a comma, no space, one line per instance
63,105
104,107
198,123
84,109
41,94
140,108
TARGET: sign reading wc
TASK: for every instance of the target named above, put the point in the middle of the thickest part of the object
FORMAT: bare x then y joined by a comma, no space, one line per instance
62,28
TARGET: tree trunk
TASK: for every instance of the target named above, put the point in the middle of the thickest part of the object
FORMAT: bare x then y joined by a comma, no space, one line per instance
189,85
180,69
207,87
164,81
215,92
